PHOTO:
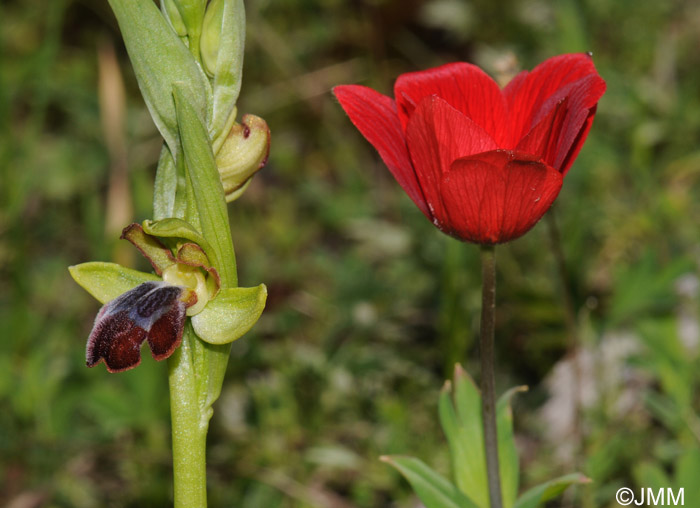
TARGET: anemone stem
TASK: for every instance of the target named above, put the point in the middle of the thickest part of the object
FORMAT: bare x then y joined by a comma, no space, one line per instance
488,376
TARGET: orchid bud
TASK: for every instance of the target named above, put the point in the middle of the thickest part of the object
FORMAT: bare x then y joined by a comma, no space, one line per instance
211,35
223,29
170,12
189,15
243,153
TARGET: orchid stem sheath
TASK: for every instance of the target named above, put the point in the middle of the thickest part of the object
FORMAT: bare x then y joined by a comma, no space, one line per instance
488,377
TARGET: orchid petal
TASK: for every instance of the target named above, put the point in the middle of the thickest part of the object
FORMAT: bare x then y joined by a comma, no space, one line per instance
153,310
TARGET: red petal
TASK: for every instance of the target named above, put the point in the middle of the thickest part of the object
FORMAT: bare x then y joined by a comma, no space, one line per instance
437,134
375,117
578,142
497,196
543,139
583,100
530,95
464,86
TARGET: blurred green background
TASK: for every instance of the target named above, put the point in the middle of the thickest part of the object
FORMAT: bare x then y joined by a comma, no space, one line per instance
369,306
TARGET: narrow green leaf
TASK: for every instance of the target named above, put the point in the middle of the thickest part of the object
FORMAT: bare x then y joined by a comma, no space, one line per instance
206,186
231,314
537,496
465,437
469,458
648,474
160,59
507,452
687,474
106,281
466,452
432,489
467,399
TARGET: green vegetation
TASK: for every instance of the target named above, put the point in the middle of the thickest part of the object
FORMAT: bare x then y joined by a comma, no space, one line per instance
369,306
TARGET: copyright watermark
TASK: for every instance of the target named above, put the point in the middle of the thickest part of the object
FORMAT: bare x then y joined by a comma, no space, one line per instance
648,497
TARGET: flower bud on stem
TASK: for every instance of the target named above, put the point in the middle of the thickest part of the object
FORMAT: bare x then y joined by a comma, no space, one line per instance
488,377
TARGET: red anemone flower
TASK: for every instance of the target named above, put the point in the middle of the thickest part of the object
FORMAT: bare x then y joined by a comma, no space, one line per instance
483,164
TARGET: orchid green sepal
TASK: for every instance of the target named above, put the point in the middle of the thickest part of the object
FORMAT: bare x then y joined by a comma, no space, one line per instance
176,230
159,256
233,196
189,264
183,263
106,281
230,315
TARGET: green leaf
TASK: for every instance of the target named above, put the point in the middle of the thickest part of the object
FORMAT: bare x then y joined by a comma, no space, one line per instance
648,474
430,487
106,281
231,314
160,59
687,474
466,452
229,67
206,187
536,496
507,452
466,437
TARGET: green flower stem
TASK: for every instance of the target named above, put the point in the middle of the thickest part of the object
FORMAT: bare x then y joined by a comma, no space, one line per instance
488,377
189,429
